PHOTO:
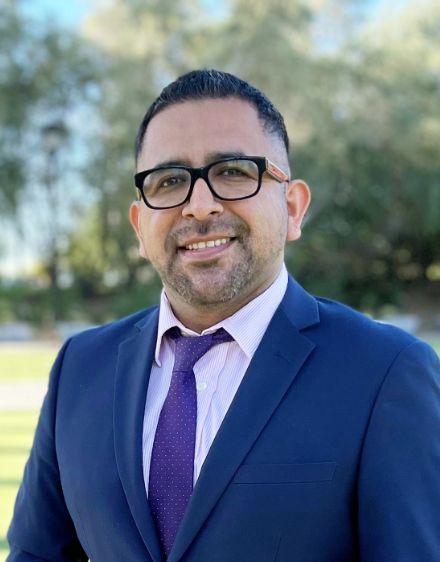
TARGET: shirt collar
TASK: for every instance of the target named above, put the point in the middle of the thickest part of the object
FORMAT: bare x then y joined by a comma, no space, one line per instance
246,326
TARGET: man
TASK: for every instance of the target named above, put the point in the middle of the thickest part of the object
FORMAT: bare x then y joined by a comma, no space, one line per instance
299,430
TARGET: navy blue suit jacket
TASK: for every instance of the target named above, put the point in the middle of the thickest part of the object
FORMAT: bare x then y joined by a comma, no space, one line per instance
330,451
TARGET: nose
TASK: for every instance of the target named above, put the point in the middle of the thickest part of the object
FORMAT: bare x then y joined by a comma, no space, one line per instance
202,202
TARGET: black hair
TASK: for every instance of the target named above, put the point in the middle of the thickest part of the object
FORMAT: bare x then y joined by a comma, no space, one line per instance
214,84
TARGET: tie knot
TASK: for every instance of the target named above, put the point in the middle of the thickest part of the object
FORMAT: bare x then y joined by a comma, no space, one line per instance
189,349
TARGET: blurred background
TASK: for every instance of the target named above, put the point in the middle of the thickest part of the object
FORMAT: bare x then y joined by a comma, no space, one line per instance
358,82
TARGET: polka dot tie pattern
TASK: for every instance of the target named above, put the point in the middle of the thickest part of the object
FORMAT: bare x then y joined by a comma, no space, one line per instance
172,457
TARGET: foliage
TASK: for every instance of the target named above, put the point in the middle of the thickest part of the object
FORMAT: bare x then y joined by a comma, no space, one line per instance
372,159
44,73
362,111
17,90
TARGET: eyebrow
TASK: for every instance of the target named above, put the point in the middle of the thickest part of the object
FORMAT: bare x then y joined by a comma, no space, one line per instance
211,157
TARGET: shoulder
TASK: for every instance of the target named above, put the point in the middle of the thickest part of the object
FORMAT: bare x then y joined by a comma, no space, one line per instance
348,332
343,334
331,323
353,323
356,329
368,359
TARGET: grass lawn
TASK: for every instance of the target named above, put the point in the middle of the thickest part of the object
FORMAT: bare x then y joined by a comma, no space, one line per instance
16,433
18,362
26,361
436,345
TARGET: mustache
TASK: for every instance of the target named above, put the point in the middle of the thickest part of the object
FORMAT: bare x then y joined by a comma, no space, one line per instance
228,227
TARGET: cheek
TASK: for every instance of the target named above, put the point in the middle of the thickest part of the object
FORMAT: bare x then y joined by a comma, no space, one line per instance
268,220
148,243
154,232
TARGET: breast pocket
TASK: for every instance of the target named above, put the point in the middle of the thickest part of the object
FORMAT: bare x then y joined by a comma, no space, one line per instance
285,473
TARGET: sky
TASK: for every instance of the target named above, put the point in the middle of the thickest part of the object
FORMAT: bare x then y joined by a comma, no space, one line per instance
72,12
69,13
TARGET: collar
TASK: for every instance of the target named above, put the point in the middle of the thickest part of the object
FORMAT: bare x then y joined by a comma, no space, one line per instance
246,326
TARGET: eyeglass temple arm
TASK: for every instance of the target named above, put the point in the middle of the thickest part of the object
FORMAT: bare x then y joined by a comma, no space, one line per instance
277,173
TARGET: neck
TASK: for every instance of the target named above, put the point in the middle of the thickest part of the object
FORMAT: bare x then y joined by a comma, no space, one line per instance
199,317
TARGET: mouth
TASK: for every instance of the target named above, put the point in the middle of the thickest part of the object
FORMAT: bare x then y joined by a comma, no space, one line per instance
202,245
202,250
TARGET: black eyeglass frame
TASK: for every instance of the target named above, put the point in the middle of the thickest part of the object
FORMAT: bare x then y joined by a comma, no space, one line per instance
263,165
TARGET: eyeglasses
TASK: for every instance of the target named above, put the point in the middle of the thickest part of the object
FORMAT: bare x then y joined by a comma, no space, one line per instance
230,179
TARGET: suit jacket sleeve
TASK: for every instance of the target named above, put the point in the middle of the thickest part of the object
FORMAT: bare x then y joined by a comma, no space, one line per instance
41,528
399,485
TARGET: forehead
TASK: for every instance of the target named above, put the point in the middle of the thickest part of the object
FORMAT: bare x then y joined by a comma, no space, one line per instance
191,131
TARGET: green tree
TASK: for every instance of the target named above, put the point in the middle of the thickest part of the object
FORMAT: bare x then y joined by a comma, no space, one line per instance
371,157
361,109
18,91
46,72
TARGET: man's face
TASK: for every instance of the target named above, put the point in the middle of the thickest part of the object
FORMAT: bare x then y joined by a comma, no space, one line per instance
249,235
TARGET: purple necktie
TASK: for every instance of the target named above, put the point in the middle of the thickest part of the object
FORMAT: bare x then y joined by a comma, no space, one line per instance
172,457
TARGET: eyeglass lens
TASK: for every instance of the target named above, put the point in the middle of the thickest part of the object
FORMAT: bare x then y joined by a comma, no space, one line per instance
230,179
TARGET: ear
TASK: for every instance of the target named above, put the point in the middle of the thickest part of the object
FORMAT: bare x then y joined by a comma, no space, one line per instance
135,220
298,201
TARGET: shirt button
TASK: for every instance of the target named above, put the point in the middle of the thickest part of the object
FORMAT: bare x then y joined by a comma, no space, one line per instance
201,386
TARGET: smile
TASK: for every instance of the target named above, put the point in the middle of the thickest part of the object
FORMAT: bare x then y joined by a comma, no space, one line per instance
207,244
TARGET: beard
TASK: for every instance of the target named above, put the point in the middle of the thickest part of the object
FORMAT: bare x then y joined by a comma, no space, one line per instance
212,285
218,281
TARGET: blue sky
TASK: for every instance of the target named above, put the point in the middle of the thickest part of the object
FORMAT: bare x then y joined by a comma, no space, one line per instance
71,12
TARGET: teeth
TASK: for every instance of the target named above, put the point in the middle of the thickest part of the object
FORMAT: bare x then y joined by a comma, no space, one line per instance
207,244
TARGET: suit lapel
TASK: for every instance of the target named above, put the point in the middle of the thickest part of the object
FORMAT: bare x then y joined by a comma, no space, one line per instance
279,357
135,358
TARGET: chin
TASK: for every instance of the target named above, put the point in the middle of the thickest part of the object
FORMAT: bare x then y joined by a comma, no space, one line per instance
211,292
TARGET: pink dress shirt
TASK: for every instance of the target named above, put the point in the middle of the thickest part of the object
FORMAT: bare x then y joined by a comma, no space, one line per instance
218,373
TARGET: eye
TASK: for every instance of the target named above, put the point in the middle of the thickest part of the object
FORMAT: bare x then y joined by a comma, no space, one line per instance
171,181
232,171
167,179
